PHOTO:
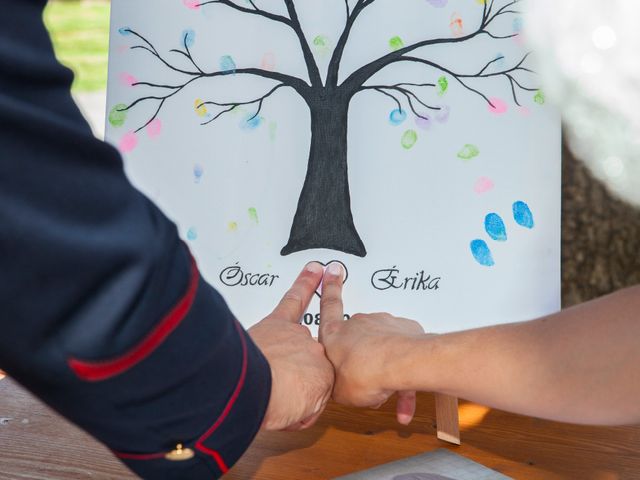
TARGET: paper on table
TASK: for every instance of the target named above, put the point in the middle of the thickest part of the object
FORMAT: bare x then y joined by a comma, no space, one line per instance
438,465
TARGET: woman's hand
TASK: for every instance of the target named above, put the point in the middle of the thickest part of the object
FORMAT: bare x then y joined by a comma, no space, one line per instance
361,350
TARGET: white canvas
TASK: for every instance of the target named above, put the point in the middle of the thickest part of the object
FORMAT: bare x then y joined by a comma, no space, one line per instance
425,184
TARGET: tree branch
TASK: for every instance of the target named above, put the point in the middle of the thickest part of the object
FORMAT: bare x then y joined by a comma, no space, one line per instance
293,21
312,66
357,78
234,105
408,94
336,58
162,99
481,74
148,47
381,90
254,11
187,53
296,83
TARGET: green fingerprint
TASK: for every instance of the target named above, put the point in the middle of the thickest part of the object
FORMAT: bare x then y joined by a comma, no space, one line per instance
253,215
322,44
273,131
468,152
409,139
118,115
539,97
396,43
321,41
443,83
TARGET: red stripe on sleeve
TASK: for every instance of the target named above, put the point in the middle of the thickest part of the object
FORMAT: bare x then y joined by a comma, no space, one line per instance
139,456
225,413
103,370
227,409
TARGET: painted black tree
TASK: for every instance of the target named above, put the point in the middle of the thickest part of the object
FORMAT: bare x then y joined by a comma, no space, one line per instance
323,218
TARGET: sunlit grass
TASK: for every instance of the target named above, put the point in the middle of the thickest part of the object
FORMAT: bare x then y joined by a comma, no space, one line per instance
80,33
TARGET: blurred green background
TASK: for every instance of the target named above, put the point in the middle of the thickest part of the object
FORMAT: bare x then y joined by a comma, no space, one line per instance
80,33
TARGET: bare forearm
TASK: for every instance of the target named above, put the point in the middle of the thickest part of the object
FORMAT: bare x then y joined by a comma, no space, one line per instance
581,365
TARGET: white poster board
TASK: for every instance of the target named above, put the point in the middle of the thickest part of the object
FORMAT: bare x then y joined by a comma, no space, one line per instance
407,139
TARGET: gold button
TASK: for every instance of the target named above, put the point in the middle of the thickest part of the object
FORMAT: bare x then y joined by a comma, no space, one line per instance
180,454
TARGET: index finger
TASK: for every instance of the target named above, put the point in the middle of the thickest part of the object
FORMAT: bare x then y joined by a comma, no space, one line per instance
331,306
296,301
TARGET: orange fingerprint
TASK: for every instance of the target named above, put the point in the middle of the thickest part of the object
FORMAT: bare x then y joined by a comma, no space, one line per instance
456,25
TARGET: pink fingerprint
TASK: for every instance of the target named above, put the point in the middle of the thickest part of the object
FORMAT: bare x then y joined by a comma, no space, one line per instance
498,106
524,111
128,79
443,114
154,129
519,40
128,142
484,185
192,4
268,61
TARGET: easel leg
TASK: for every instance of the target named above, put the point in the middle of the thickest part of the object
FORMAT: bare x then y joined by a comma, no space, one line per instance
447,418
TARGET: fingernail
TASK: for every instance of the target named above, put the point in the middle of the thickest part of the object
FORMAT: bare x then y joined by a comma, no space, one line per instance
335,269
404,419
314,267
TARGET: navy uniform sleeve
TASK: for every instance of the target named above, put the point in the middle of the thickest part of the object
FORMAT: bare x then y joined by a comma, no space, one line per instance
104,313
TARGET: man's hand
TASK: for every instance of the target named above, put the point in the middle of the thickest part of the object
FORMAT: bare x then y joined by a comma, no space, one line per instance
302,377
360,350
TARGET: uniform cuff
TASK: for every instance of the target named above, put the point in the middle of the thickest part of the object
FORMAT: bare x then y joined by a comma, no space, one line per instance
226,429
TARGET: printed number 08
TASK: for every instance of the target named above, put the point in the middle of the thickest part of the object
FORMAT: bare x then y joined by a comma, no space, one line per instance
311,319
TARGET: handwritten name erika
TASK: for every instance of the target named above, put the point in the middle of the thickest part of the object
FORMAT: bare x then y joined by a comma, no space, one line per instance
382,280
390,278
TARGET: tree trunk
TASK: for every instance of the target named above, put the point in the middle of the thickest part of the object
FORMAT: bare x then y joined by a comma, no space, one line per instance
323,218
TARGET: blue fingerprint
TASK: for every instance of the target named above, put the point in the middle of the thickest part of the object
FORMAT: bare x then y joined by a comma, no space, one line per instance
124,31
251,122
227,64
188,38
518,24
192,234
482,253
522,215
494,225
397,116
500,60
198,172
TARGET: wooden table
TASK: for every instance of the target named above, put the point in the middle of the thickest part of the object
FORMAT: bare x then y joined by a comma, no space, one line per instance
37,444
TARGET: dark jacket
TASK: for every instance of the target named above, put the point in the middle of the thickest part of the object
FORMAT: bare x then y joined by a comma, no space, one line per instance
104,314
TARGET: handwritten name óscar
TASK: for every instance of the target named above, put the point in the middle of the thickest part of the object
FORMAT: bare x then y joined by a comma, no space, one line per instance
235,276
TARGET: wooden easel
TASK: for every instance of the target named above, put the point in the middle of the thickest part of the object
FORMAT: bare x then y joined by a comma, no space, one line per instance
447,419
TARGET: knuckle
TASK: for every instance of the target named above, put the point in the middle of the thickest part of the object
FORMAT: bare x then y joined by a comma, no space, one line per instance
330,328
294,299
330,301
